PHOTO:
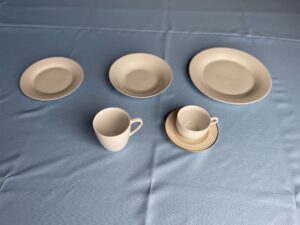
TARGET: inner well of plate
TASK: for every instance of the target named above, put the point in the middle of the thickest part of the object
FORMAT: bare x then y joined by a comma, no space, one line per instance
53,80
141,81
228,77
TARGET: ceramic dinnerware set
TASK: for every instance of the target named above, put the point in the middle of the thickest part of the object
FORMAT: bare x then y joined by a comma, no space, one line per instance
224,74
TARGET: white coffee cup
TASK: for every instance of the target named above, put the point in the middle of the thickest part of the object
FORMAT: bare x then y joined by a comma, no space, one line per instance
193,122
113,128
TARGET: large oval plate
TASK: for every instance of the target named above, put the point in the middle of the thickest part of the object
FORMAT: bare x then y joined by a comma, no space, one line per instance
230,76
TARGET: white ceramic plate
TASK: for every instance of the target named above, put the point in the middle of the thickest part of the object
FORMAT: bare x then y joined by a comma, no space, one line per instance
51,78
140,75
230,76
186,144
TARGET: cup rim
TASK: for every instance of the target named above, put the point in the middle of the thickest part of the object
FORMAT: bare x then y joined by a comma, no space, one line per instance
106,109
192,106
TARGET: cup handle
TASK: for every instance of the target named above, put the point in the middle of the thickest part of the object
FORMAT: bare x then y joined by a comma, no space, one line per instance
214,120
136,120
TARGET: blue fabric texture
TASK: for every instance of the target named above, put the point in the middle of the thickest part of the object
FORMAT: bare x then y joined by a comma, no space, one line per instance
52,168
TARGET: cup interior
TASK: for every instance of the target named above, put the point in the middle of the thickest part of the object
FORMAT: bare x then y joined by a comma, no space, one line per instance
111,122
194,118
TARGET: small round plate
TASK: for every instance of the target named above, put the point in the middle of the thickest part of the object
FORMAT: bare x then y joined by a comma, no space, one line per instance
230,76
140,75
186,144
51,78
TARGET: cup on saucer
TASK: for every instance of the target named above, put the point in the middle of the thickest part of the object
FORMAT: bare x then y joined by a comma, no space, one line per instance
193,122
194,136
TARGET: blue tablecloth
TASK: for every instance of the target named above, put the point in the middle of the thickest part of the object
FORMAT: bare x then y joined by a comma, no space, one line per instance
52,168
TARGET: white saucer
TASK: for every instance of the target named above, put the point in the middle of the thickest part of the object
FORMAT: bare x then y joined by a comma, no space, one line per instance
51,78
140,75
186,144
230,75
